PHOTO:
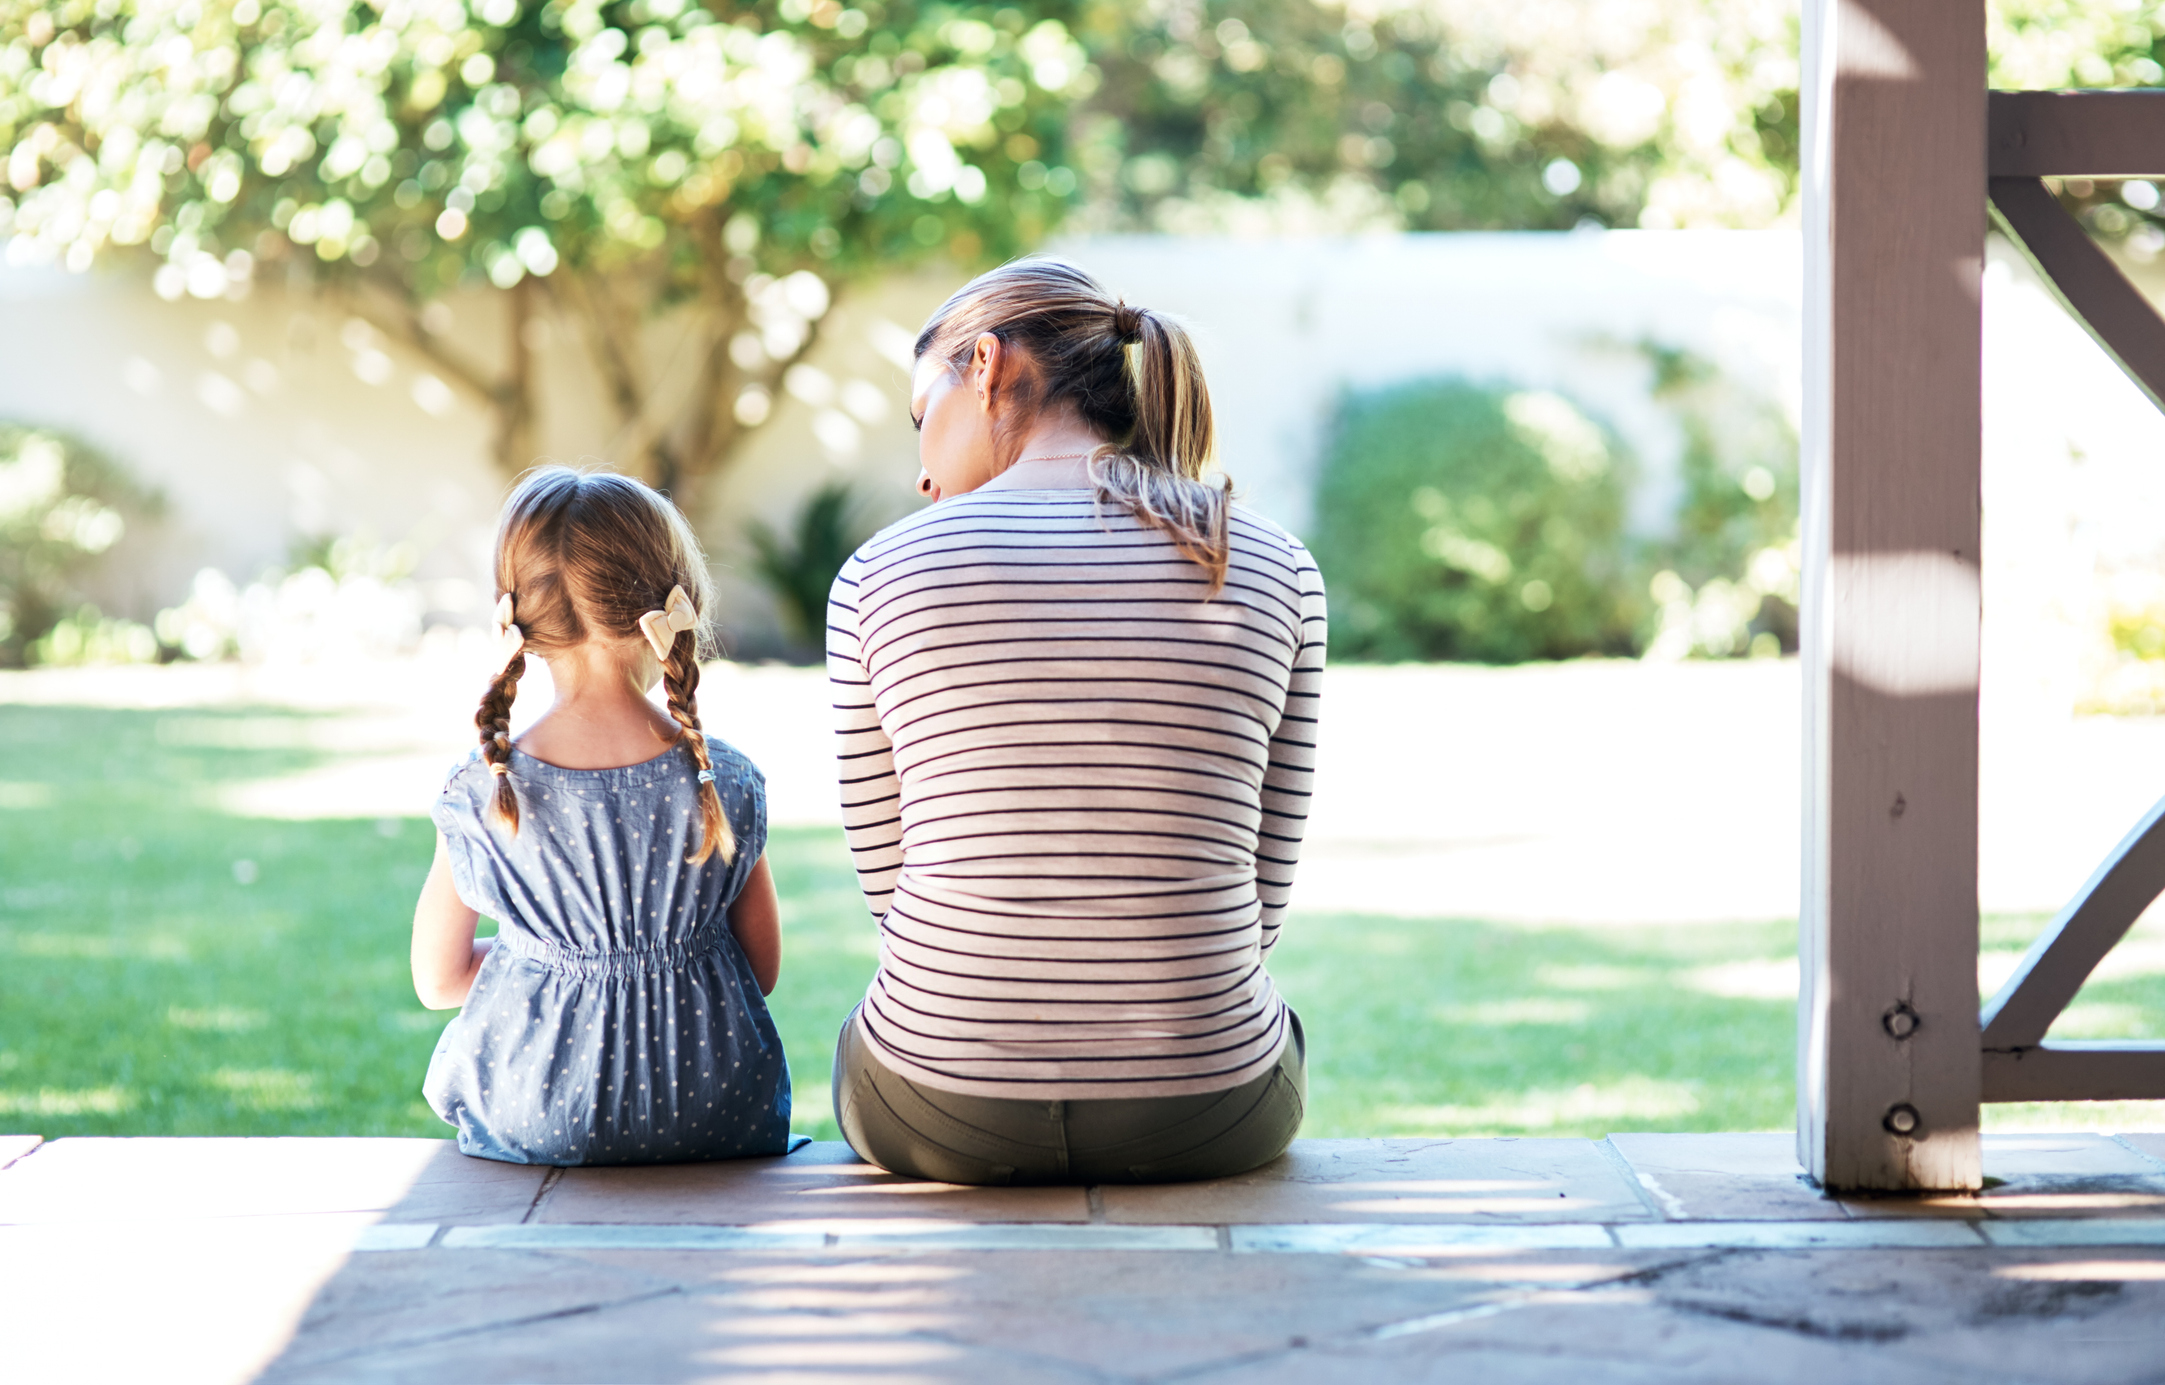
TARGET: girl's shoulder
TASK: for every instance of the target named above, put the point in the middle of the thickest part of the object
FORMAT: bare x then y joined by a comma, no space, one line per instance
466,768
727,759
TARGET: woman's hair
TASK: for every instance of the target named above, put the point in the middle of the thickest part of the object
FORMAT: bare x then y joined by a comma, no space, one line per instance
1131,374
587,553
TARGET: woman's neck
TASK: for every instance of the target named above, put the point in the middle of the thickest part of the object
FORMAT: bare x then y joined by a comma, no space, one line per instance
601,717
1055,456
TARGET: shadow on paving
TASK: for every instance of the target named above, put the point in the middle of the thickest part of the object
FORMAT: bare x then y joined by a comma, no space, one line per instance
850,1311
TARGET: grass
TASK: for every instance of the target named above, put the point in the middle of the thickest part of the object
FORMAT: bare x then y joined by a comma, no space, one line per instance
167,968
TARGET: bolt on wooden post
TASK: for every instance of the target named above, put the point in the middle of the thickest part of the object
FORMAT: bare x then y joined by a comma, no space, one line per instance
1894,194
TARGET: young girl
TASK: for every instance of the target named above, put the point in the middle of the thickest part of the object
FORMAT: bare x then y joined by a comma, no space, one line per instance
616,1018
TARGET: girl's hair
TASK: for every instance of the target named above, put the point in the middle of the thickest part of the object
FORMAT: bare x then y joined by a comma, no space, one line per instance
587,553
1133,375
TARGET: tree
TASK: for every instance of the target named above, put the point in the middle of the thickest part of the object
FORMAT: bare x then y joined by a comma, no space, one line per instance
625,159
1452,115
737,164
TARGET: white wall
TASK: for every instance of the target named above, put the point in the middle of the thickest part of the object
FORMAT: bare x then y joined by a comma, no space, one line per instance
1285,326
269,418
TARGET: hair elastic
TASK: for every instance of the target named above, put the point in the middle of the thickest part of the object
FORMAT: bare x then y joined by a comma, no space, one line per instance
706,776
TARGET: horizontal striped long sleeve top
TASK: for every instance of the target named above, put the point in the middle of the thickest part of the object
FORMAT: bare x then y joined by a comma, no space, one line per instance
1074,784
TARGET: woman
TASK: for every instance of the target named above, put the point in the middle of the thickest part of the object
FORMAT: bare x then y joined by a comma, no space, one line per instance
1078,701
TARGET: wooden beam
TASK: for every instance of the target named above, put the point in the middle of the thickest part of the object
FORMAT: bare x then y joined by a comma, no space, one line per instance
2067,952
2077,134
2085,280
2121,1070
1894,193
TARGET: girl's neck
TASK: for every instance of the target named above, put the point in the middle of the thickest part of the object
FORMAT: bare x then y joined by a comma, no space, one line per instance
601,717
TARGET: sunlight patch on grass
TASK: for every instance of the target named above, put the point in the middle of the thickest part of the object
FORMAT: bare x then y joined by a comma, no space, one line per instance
1761,978
14,793
1634,1099
2132,958
269,1089
1994,966
1525,1010
222,1019
2099,1117
1594,977
2101,1020
46,1101
95,947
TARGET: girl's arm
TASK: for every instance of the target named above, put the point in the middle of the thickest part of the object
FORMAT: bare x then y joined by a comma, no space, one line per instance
756,919
446,955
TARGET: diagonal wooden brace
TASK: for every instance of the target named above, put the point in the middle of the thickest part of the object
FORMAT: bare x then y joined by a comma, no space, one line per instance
2087,282
2064,955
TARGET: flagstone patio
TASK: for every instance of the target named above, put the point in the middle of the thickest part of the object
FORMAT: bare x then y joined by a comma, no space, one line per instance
1671,1257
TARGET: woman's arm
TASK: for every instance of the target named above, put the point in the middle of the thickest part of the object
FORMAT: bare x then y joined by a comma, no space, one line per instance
1289,784
865,758
756,920
446,954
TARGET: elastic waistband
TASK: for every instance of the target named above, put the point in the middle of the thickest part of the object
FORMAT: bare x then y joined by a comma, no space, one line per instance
640,961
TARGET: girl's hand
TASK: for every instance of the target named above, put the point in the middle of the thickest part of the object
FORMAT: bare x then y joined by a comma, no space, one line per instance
756,920
446,955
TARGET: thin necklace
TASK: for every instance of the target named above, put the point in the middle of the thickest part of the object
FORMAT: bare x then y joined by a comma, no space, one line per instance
1060,457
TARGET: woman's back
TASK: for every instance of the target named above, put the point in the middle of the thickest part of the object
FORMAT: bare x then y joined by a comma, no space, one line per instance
1075,783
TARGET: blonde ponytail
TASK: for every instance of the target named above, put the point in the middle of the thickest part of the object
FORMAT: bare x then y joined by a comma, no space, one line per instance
1133,375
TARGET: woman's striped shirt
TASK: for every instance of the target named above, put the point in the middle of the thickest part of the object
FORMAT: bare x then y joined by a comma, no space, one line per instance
1074,784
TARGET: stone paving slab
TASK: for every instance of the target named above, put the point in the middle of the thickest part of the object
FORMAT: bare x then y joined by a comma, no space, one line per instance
1398,1181
1717,1177
2043,1175
1388,1262
824,1179
88,1180
1023,1317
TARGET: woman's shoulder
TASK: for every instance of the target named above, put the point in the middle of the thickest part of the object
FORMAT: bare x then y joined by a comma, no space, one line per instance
1257,534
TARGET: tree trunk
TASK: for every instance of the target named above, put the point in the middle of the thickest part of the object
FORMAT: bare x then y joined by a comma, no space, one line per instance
513,394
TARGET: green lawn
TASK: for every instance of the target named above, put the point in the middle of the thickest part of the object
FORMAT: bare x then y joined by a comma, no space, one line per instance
166,968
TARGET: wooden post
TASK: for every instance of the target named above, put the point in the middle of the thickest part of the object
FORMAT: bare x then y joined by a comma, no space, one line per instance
1894,194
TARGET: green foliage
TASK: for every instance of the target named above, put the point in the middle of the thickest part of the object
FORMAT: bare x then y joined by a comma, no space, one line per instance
62,506
1728,569
800,569
1474,522
1457,114
739,161
436,142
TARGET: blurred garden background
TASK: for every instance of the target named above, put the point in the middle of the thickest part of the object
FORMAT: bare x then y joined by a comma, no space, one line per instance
1499,303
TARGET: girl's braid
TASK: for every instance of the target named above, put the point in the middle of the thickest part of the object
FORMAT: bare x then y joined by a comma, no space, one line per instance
680,677
494,721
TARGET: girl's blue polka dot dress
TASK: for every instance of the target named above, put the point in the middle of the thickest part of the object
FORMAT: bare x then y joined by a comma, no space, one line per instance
616,1021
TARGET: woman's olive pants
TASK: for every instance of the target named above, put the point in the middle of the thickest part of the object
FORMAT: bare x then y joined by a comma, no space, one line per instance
948,1137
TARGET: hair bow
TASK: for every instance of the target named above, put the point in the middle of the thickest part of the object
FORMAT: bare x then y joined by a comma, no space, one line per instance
510,640
661,627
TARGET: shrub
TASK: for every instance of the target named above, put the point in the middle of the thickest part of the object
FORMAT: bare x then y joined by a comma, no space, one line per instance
800,569
62,507
1475,522
1727,581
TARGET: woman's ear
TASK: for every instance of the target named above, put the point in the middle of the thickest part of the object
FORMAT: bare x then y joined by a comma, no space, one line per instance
988,369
